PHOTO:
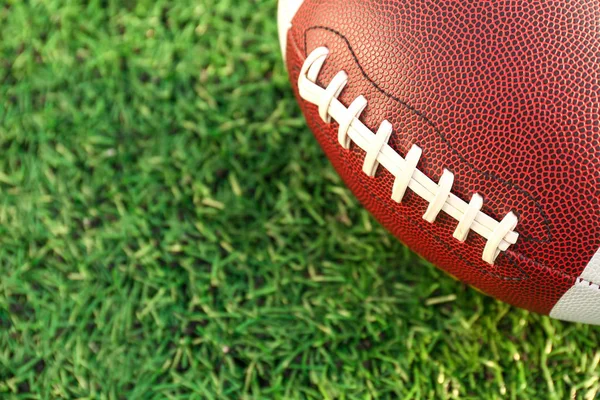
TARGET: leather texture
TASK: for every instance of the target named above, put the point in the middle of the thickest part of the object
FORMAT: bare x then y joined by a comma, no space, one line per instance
581,303
503,94
591,273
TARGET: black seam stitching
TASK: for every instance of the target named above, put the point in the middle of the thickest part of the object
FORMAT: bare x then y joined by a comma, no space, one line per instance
511,260
488,175
509,253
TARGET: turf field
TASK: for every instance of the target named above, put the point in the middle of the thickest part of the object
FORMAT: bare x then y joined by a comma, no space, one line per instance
169,229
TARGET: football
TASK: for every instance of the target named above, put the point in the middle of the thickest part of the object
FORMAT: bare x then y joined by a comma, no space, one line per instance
470,130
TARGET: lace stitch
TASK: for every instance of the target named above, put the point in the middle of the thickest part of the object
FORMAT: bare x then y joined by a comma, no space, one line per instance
499,235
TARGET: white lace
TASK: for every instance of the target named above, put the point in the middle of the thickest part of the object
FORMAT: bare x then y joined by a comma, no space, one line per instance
499,235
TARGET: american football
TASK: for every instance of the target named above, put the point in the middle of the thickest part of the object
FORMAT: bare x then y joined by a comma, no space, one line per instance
470,130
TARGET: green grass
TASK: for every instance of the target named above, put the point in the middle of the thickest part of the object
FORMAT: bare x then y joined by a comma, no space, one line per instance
169,228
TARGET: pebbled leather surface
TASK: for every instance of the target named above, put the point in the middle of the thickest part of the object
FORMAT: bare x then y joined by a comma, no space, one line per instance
504,94
575,305
591,273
